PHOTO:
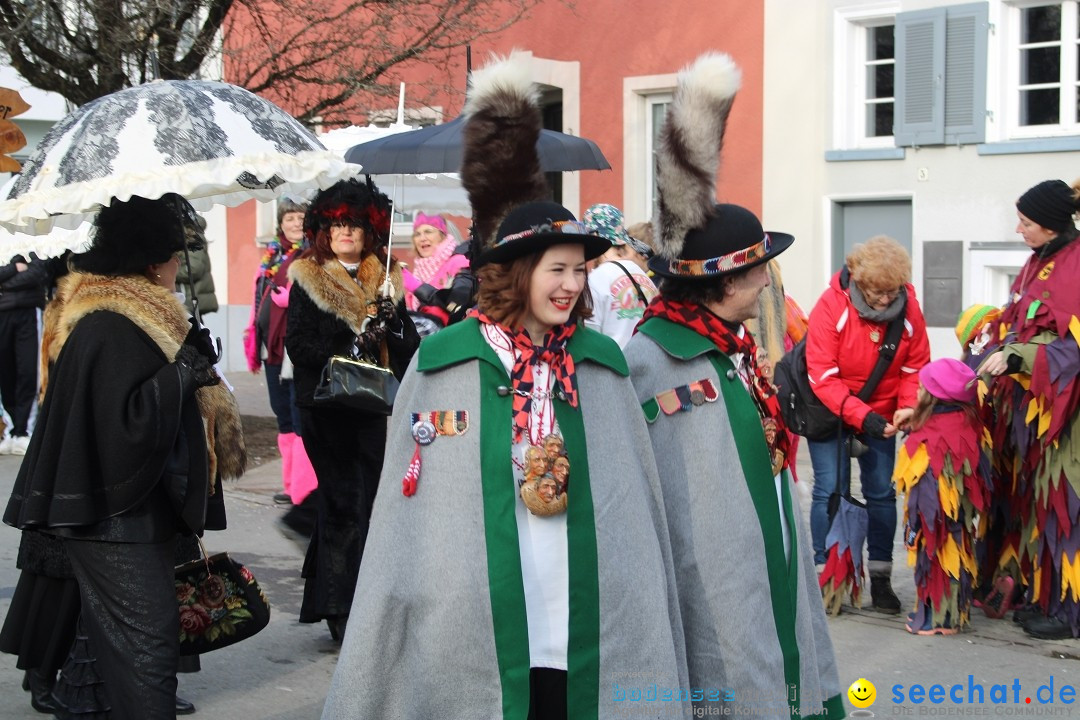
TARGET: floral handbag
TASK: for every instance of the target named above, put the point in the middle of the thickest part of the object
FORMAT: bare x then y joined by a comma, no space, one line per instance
220,603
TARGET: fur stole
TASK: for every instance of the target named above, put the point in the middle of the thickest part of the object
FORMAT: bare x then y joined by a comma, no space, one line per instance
335,293
158,313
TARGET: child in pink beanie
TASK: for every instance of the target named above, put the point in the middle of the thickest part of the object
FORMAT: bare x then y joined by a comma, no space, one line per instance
945,478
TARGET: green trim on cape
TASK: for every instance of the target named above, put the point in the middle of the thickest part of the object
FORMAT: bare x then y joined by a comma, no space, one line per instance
677,340
754,458
683,343
506,587
833,708
463,342
583,646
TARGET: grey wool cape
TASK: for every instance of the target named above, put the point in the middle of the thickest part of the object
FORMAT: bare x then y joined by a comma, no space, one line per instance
754,625
438,626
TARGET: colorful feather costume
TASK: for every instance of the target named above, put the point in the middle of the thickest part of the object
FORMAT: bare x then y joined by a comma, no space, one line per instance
944,476
1032,418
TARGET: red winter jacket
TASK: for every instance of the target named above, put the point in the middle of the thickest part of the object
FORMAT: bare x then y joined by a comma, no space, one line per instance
840,355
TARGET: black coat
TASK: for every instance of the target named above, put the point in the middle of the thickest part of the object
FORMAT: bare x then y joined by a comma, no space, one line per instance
119,452
25,289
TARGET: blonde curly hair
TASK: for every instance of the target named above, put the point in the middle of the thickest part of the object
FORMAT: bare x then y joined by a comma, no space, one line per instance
880,263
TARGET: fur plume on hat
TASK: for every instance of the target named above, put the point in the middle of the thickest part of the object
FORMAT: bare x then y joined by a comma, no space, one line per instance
688,156
500,167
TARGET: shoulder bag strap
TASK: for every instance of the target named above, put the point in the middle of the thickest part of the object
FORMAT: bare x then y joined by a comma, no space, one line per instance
640,293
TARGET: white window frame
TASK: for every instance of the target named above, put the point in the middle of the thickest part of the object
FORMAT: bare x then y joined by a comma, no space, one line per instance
640,94
651,101
1070,51
849,74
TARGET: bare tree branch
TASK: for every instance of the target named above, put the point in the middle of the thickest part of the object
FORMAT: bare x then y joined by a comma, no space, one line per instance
334,60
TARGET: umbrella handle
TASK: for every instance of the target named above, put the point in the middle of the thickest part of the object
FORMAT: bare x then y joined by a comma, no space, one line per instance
387,288
191,288
842,457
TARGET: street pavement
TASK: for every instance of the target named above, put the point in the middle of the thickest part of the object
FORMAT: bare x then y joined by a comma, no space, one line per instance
283,673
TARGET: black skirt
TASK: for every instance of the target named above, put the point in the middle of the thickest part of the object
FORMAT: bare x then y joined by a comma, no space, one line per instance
40,624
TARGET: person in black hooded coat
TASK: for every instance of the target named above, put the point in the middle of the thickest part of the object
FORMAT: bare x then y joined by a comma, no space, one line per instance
119,463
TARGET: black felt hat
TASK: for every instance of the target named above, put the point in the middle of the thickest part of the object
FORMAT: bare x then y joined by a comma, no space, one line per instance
129,235
534,227
732,240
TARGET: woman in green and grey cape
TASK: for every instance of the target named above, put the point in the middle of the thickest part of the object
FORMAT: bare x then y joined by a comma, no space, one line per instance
492,586
756,636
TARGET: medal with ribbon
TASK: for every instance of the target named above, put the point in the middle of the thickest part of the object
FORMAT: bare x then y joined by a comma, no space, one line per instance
426,426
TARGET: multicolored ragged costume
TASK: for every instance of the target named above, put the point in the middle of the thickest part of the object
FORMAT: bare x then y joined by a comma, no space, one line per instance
1031,417
944,477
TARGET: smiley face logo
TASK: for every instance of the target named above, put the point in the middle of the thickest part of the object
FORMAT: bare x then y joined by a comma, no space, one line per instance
862,693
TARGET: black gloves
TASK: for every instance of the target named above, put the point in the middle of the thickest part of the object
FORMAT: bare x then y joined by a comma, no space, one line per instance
199,338
369,343
874,425
196,371
386,314
462,295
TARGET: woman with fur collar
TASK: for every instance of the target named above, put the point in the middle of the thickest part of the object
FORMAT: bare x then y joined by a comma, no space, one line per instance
133,430
337,306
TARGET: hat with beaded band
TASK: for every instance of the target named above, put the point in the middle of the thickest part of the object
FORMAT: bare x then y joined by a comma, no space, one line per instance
732,240
536,226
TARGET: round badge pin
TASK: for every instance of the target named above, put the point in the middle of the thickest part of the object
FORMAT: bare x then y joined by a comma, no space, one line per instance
424,432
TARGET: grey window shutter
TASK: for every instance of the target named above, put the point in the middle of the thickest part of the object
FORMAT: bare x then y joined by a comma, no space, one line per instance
966,32
920,78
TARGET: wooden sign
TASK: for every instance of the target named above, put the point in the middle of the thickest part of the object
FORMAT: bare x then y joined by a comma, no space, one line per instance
11,139
11,103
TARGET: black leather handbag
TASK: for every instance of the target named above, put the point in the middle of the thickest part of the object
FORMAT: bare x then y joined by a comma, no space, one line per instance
356,384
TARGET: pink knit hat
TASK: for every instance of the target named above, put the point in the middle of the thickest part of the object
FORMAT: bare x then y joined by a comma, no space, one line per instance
433,220
949,380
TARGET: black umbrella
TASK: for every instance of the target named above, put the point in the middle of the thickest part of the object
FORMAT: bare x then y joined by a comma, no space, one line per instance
438,148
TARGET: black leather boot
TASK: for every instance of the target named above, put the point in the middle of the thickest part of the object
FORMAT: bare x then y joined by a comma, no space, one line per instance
1047,628
40,688
1023,614
184,707
882,597
337,627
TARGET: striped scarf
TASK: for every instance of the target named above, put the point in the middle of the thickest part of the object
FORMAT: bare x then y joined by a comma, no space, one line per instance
551,351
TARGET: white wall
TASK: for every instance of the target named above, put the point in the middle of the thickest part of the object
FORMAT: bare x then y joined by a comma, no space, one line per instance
962,196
